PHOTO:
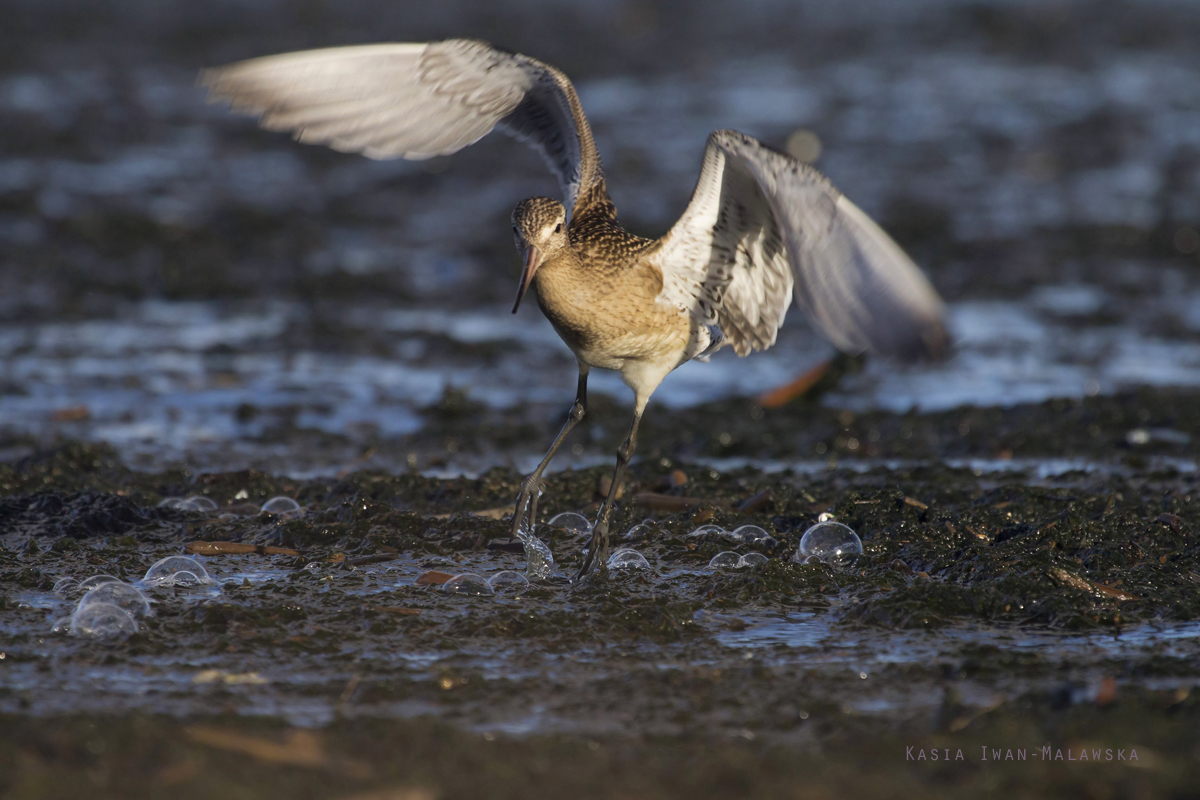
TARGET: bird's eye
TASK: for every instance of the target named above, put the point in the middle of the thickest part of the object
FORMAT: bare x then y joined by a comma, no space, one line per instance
558,228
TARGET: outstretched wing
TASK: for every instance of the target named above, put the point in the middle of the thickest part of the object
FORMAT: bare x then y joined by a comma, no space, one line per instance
417,101
761,224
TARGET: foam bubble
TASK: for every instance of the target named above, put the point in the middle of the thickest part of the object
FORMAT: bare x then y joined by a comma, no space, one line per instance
707,530
284,507
87,584
468,583
199,502
177,571
122,595
752,561
828,541
725,560
571,522
104,622
627,559
65,587
749,534
638,532
508,580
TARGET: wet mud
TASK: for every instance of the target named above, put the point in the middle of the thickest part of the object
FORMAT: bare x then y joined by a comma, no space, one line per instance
998,608
193,308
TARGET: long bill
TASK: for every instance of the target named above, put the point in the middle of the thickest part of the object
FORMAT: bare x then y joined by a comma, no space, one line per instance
533,260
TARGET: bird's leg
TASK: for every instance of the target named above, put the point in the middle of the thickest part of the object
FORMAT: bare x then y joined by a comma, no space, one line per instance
527,501
598,546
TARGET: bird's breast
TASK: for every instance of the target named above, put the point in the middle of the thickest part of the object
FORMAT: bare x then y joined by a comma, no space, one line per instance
608,315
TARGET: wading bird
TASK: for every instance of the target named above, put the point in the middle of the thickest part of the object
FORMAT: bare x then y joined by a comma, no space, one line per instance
761,227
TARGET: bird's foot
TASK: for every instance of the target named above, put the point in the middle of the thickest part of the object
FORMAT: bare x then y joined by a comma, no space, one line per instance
525,513
597,549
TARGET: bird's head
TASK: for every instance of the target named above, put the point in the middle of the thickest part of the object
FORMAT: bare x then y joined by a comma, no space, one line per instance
540,230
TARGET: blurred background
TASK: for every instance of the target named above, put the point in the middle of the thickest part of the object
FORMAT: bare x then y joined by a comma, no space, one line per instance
191,289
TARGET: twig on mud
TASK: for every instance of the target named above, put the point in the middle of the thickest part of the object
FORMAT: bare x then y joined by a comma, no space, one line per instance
668,502
237,548
1076,582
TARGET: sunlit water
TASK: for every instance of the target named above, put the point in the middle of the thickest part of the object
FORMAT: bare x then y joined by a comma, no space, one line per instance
169,380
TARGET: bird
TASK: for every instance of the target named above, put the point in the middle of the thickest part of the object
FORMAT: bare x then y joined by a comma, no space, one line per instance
762,230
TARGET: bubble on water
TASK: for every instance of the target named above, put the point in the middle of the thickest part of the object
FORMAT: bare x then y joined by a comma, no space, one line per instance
831,542
749,534
725,560
87,584
825,517
281,506
752,561
539,561
638,532
61,625
174,502
65,587
104,622
706,530
177,571
314,567
199,502
508,580
571,522
627,559
122,595
468,583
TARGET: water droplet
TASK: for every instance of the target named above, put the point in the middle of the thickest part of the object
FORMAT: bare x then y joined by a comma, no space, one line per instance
104,622
539,561
706,530
65,587
571,522
176,571
627,559
508,580
284,507
175,502
831,542
122,595
468,583
749,534
752,561
725,560
87,584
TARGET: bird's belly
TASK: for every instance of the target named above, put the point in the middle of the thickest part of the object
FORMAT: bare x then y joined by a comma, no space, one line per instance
607,337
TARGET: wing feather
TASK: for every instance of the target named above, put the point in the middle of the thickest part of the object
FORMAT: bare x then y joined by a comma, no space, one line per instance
417,101
762,227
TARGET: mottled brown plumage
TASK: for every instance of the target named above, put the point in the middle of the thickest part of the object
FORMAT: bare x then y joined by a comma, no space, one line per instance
761,228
